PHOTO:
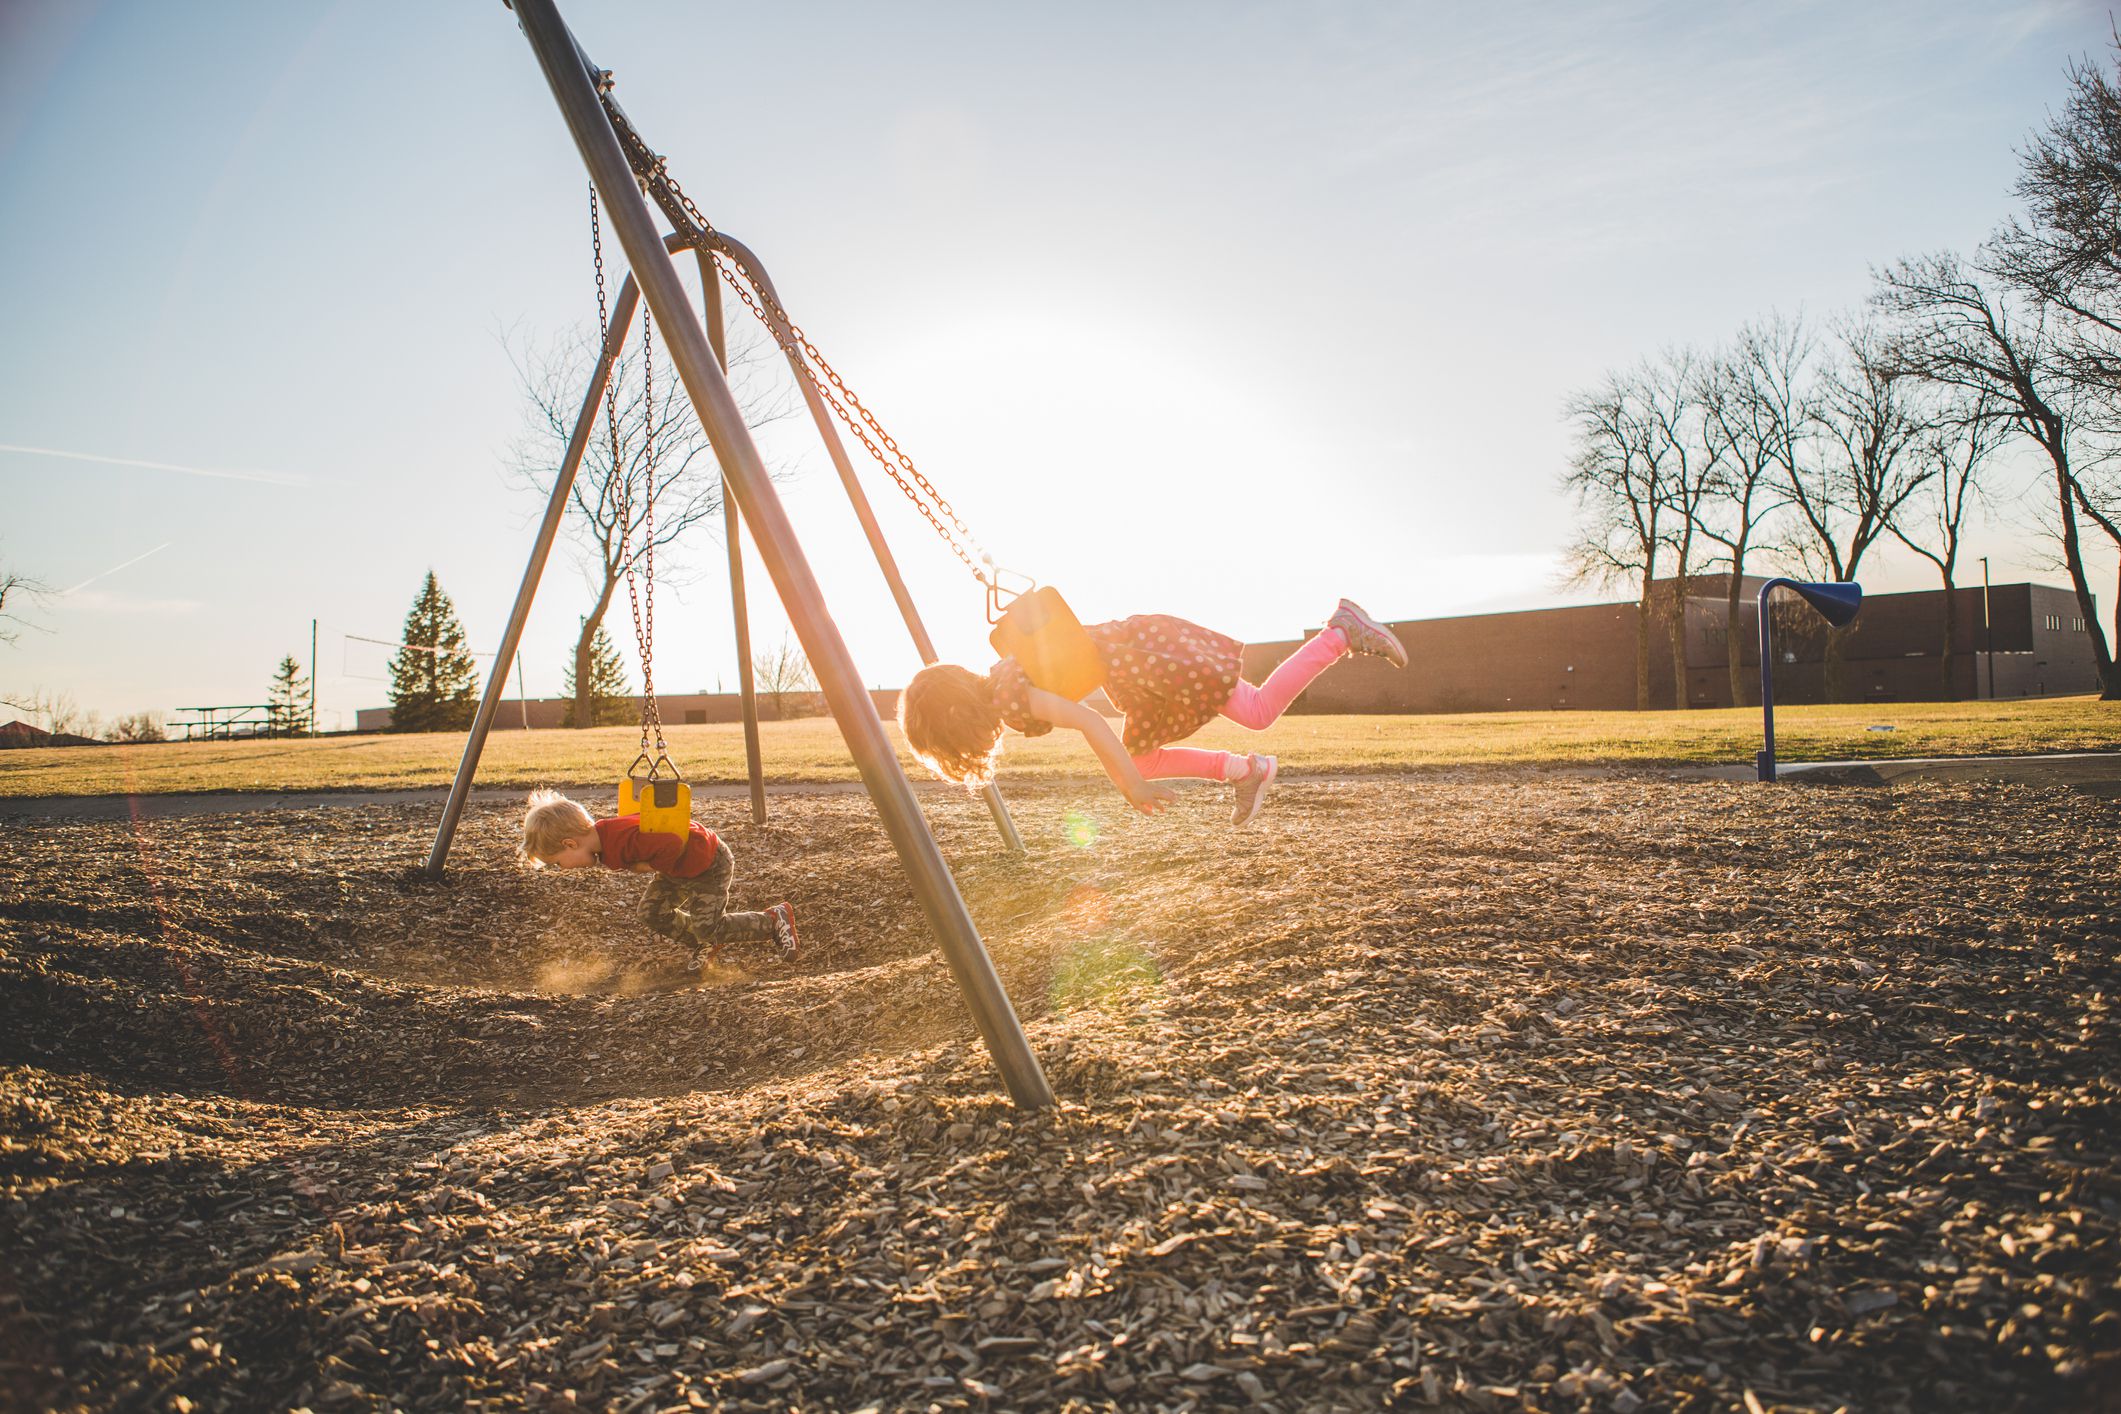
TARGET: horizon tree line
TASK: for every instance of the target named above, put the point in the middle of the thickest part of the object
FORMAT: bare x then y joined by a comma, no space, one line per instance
434,678
1805,447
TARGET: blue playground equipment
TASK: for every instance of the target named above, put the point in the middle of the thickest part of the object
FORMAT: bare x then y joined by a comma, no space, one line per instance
1837,603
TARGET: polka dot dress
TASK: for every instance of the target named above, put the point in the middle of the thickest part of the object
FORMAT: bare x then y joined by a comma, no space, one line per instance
1169,676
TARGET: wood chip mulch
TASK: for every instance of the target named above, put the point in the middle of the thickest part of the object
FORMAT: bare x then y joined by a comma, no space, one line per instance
1491,1092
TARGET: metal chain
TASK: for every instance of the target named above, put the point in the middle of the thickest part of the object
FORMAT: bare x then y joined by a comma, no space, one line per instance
622,493
794,342
651,710
650,169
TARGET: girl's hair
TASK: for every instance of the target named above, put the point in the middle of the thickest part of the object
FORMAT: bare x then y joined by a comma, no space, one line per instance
948,715
549,823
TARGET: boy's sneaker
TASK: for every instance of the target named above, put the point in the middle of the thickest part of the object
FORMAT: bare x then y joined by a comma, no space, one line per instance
783,916
1252,790
1367,635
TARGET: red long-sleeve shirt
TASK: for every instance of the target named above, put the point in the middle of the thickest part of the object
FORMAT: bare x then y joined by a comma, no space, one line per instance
624,846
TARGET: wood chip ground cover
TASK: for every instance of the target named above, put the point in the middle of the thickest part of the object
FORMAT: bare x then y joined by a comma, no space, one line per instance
1497,1093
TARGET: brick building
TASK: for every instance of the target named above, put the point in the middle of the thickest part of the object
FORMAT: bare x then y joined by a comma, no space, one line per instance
1583,656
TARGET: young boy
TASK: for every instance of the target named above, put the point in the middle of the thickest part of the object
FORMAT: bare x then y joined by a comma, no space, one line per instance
687,901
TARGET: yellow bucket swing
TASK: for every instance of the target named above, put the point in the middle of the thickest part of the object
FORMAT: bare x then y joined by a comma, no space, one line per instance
664,802
1035,626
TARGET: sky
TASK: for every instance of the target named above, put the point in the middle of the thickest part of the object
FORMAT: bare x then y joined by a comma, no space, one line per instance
1204,307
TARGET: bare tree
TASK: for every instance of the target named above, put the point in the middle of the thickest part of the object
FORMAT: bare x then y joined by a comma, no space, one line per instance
1689,462
17,592
1958,332
2066,251
1959,445
137,727
610,503
782,672
2065,257
1755,411
27,700
61,714
1868,422
1617,476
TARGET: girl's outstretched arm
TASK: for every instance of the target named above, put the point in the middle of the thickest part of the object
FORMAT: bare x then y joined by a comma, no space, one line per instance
1146,796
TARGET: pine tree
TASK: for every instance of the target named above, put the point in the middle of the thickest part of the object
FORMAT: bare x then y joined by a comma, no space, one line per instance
288,699
610,694
433,683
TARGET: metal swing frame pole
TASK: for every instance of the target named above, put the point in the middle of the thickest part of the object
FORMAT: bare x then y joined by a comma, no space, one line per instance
622,311
1764,762
732,527
863,511
574,90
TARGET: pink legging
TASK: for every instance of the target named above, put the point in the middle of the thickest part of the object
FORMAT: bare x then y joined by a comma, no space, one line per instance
1255,707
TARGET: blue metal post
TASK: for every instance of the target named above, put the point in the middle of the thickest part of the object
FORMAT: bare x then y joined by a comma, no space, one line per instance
1837,602
1764,762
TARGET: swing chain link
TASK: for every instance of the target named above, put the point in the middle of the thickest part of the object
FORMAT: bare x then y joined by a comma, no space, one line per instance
933,506
622,495
652,711
653,174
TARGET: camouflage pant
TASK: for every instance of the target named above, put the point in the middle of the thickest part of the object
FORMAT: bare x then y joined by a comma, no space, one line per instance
694,911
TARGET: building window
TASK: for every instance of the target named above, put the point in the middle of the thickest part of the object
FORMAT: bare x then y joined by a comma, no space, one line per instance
2076,625
2051,622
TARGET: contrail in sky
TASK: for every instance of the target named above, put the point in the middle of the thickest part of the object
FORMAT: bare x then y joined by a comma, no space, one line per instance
115,568
269,478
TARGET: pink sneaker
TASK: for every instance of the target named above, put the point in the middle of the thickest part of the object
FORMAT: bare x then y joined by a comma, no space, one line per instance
1367,635
1252,790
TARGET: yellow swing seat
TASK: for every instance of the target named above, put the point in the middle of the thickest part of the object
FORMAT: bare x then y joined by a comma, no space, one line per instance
664,802
1041,632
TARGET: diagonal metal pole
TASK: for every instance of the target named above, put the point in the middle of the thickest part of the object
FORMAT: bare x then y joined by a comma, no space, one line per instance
744,259
555,508
574,90
732,526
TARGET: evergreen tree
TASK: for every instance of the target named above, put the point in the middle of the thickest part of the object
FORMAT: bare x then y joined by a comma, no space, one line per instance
610,695
288,699
433,683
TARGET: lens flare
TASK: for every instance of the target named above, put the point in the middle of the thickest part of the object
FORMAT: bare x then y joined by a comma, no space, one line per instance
1080,829
1087,908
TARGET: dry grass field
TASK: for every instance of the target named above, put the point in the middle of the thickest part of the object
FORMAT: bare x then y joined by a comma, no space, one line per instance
811,749
1532,1092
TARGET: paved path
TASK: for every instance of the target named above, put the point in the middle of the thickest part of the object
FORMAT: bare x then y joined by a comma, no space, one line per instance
2093,772
155,807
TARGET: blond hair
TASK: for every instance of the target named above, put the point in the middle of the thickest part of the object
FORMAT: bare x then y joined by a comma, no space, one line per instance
550,821
950,721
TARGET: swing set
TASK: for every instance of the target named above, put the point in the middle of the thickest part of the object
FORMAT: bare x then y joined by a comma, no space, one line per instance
1031,623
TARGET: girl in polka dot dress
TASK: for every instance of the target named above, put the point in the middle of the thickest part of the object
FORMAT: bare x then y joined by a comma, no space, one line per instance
1169,677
